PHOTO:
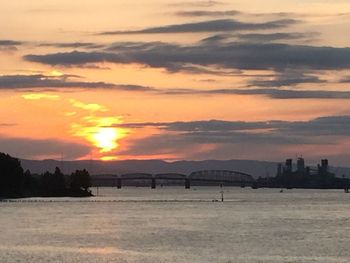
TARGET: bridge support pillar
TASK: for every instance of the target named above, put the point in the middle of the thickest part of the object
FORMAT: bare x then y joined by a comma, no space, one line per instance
153,184
119,183
187,183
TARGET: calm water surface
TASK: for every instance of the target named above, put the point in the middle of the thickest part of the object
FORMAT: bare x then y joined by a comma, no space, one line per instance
178,225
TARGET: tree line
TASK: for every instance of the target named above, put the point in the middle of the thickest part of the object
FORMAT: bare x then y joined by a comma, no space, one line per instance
17,183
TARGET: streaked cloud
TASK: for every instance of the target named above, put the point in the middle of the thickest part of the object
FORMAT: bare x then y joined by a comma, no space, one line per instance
10,43
322,126
268,92
245,56
39,82
207,13
199,3
239,138
58,80
220,25
43,148
87,45
278,36
287,78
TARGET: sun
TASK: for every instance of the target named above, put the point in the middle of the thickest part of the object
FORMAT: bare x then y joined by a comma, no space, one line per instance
106,138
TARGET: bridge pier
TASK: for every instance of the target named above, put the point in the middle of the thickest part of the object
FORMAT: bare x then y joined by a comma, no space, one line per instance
119,183
187,183
153,184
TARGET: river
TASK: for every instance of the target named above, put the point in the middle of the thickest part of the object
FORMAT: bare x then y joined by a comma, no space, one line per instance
172,224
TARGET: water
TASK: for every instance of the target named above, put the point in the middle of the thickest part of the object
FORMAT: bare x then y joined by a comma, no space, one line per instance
178,225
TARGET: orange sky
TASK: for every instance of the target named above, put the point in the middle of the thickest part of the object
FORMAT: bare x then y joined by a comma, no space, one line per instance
85,94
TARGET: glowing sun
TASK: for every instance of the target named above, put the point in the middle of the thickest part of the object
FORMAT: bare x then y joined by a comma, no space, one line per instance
106,139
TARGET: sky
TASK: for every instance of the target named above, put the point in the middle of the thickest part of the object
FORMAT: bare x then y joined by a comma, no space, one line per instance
175,80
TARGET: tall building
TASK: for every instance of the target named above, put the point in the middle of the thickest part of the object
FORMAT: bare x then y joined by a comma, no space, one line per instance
301,165
279,169
323,169
289,166
324,164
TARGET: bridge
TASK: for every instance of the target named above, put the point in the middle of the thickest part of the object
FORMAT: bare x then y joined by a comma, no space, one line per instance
205,177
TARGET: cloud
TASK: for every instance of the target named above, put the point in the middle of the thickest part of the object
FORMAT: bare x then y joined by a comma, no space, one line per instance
7,124
277,37
220,25
319,131
10,43
87,45
345,80
228,139
200,13
40,148
208,3
47,83
256,37
233,55
329,125
269,92
211,125
44,81
9,46
287,78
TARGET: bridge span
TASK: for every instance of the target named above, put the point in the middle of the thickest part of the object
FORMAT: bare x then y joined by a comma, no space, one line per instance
204,177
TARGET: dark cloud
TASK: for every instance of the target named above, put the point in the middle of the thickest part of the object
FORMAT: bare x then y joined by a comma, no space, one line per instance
232,55
285,94
287,78
131,46
268,92
276,37
10,43
36,148
9,46
72,45
317,131
323,126
345,80
239,138
220,25
211,125
259,37
200,13
43,81
217,38
73,58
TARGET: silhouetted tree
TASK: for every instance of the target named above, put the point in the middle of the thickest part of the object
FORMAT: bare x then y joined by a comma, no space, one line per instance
31,185
80,182
53,184
11,176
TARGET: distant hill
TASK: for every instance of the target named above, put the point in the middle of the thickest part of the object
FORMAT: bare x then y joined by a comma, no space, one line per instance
254,168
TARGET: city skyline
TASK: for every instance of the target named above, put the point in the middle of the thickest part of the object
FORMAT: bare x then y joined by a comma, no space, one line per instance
175,80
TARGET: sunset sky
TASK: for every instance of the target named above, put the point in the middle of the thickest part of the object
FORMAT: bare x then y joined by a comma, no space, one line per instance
175,79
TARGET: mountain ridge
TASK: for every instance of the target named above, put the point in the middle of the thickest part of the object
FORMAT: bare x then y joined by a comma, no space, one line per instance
255,168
